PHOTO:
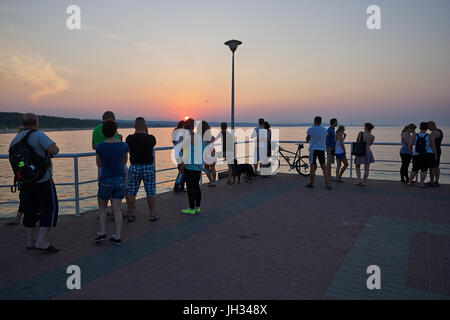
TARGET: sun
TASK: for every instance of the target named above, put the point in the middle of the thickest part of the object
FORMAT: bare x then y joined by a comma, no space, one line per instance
185,118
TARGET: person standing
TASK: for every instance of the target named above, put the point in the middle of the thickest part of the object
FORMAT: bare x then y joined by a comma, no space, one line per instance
341,155
142,168
257,134
316,137
193,146
112,155
210,159
227,149
97,135
366,159
423,154
436,138
331,142
177,137
39,198
406,152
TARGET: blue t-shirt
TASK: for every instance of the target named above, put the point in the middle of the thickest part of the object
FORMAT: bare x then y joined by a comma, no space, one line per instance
112,155
331,138
318,136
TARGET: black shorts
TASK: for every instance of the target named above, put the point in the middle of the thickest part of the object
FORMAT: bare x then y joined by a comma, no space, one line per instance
436,162
422,162
40,203
317,154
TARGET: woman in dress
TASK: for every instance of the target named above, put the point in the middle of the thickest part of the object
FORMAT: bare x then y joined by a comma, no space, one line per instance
406,152
368,158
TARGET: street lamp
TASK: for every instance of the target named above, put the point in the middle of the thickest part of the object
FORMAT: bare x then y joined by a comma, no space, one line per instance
233,45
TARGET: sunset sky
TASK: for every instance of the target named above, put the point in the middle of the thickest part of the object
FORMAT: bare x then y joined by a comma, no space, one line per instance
166,59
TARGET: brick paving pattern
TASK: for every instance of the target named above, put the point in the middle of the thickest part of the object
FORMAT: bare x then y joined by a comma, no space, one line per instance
273,239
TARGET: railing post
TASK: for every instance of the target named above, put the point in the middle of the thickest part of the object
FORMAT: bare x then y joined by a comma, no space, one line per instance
77,190
351,162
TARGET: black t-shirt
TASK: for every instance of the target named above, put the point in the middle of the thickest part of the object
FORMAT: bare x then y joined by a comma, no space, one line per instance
141,148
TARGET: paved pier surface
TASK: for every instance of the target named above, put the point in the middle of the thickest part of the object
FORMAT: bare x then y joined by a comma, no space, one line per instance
274,239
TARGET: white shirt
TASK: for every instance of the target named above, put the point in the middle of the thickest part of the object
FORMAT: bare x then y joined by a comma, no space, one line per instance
318,136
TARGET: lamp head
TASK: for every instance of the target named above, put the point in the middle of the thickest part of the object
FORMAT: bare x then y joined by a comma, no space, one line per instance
233,44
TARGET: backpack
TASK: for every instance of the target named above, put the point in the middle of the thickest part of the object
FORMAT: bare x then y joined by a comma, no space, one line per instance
27,165
421,144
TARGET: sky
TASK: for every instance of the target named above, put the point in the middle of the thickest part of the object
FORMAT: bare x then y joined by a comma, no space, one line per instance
166,59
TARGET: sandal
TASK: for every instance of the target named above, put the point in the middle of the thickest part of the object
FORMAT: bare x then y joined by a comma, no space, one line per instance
154,218
50,249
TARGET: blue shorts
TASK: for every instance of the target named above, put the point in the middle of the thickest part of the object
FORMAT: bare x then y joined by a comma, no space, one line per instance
114,187
340,155
142,172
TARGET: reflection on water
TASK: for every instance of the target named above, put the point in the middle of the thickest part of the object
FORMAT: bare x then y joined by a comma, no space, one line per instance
80,141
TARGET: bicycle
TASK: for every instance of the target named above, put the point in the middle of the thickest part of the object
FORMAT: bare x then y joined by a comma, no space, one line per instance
300,163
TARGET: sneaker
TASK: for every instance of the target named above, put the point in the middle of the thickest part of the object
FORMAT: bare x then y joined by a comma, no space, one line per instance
197,210
100,238
189,211
114,240
310,185
328,186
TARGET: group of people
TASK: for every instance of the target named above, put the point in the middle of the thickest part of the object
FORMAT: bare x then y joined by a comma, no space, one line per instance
194,149
423,148
327,147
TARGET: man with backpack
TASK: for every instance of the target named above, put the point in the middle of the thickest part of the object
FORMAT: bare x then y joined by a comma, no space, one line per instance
423,155
29,155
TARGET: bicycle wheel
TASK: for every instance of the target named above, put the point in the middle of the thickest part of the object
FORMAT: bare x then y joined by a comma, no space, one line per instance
302,166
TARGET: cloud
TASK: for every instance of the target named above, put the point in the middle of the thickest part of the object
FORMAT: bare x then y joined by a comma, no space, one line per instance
113,36
32,74
141,45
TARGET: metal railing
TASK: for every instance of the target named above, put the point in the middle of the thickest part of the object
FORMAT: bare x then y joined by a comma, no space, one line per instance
77,183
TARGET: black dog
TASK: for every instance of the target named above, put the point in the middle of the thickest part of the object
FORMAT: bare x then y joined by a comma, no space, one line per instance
239,169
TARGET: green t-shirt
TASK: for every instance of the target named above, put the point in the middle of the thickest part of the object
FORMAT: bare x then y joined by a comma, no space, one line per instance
98,137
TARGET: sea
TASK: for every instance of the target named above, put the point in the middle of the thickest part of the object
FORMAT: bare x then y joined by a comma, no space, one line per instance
79,141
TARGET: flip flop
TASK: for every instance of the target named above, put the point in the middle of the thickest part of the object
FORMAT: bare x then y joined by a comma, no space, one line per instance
50,249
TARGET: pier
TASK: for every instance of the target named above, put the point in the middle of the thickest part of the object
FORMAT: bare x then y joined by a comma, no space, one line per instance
273,239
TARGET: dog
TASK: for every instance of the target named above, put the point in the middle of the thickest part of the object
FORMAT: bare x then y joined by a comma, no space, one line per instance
239,169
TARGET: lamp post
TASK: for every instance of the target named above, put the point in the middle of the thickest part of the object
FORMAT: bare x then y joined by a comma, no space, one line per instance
233,45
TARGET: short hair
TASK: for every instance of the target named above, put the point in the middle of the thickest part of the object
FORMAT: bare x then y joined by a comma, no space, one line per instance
369,126
108,115
109,128
318,119
29,119
333,121
223,126
140,122
424,126
261,121
431,124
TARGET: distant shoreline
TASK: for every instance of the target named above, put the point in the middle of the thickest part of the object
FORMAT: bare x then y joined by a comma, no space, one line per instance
14,130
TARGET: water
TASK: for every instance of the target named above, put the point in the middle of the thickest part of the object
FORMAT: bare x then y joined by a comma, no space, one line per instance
80,141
